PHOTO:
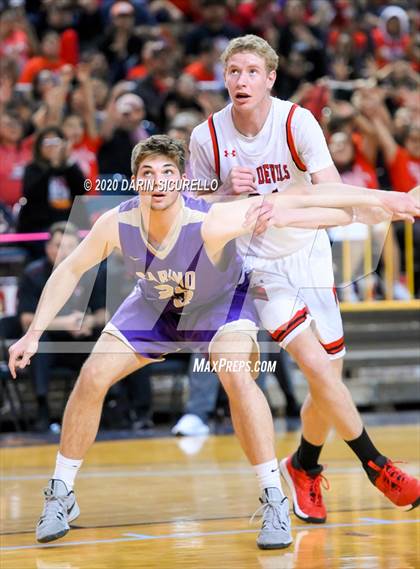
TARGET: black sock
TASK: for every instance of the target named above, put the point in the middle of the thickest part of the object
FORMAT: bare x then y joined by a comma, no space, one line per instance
364,448
308,454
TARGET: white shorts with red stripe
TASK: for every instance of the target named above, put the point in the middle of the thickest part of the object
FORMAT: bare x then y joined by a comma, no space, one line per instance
297,291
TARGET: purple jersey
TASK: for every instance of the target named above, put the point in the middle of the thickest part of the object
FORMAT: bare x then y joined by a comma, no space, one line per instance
178,277
181,300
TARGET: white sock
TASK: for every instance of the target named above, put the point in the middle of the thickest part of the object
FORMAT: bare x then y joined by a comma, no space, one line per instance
268,475
66,470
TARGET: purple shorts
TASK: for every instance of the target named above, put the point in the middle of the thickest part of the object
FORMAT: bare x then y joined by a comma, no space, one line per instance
152,334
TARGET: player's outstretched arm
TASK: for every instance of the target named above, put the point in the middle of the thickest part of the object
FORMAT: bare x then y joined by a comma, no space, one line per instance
229,220
96,246
312,217
345,195
325,217
327,205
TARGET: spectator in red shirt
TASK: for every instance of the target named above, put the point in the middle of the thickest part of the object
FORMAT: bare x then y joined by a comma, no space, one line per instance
257,17
403,162
204,67
83,148
353,166
49,58
15,153
391,37
17,38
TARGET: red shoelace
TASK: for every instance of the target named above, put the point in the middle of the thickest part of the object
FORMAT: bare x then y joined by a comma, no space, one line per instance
390,474
315,488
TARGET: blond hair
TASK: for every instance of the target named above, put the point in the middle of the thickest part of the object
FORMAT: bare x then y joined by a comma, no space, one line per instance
156,145
251,44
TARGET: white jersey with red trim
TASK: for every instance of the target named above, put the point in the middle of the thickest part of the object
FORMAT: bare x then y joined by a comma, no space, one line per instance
289,148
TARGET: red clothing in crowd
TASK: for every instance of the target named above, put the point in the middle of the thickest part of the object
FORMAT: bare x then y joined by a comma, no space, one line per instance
388,49
137,72
13,160
16,45
362,173
190,8
200,73
37,64
359,39
84,154
69,47
404,171
69,54
250,15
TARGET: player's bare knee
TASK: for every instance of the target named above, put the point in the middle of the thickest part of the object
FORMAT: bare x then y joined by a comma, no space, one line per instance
317,369
232,345
235,383
93,379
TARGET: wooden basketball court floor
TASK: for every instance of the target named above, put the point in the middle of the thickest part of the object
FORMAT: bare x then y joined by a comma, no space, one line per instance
169,503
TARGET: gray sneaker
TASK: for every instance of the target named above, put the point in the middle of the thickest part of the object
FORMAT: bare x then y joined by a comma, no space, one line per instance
275,531
60,509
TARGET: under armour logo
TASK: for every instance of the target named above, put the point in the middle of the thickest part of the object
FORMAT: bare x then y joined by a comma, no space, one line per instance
227,153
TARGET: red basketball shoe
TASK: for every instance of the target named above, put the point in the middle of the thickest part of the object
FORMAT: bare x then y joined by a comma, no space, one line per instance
306,490
398,486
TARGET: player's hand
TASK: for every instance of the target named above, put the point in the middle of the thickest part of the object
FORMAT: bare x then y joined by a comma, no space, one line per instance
399,204
259,217
20,353
415,194
371,215
240,181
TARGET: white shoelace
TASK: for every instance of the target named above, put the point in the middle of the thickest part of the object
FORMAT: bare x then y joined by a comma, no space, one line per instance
55,506
271,512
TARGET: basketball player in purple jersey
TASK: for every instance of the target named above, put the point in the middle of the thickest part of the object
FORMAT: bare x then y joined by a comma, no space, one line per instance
191,291
261,144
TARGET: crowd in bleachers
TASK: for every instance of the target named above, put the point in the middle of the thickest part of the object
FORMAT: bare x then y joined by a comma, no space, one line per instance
82,81
107,74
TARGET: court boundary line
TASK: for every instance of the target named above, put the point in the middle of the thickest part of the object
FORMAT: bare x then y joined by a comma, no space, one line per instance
195,520
144,537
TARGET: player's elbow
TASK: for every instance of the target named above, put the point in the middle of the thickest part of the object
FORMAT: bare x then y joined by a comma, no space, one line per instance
70,269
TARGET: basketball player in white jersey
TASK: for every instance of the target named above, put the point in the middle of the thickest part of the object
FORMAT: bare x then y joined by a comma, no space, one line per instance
260,144
169,233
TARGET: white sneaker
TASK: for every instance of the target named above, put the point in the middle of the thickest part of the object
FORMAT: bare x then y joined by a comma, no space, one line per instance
275,532
190,426
60,509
